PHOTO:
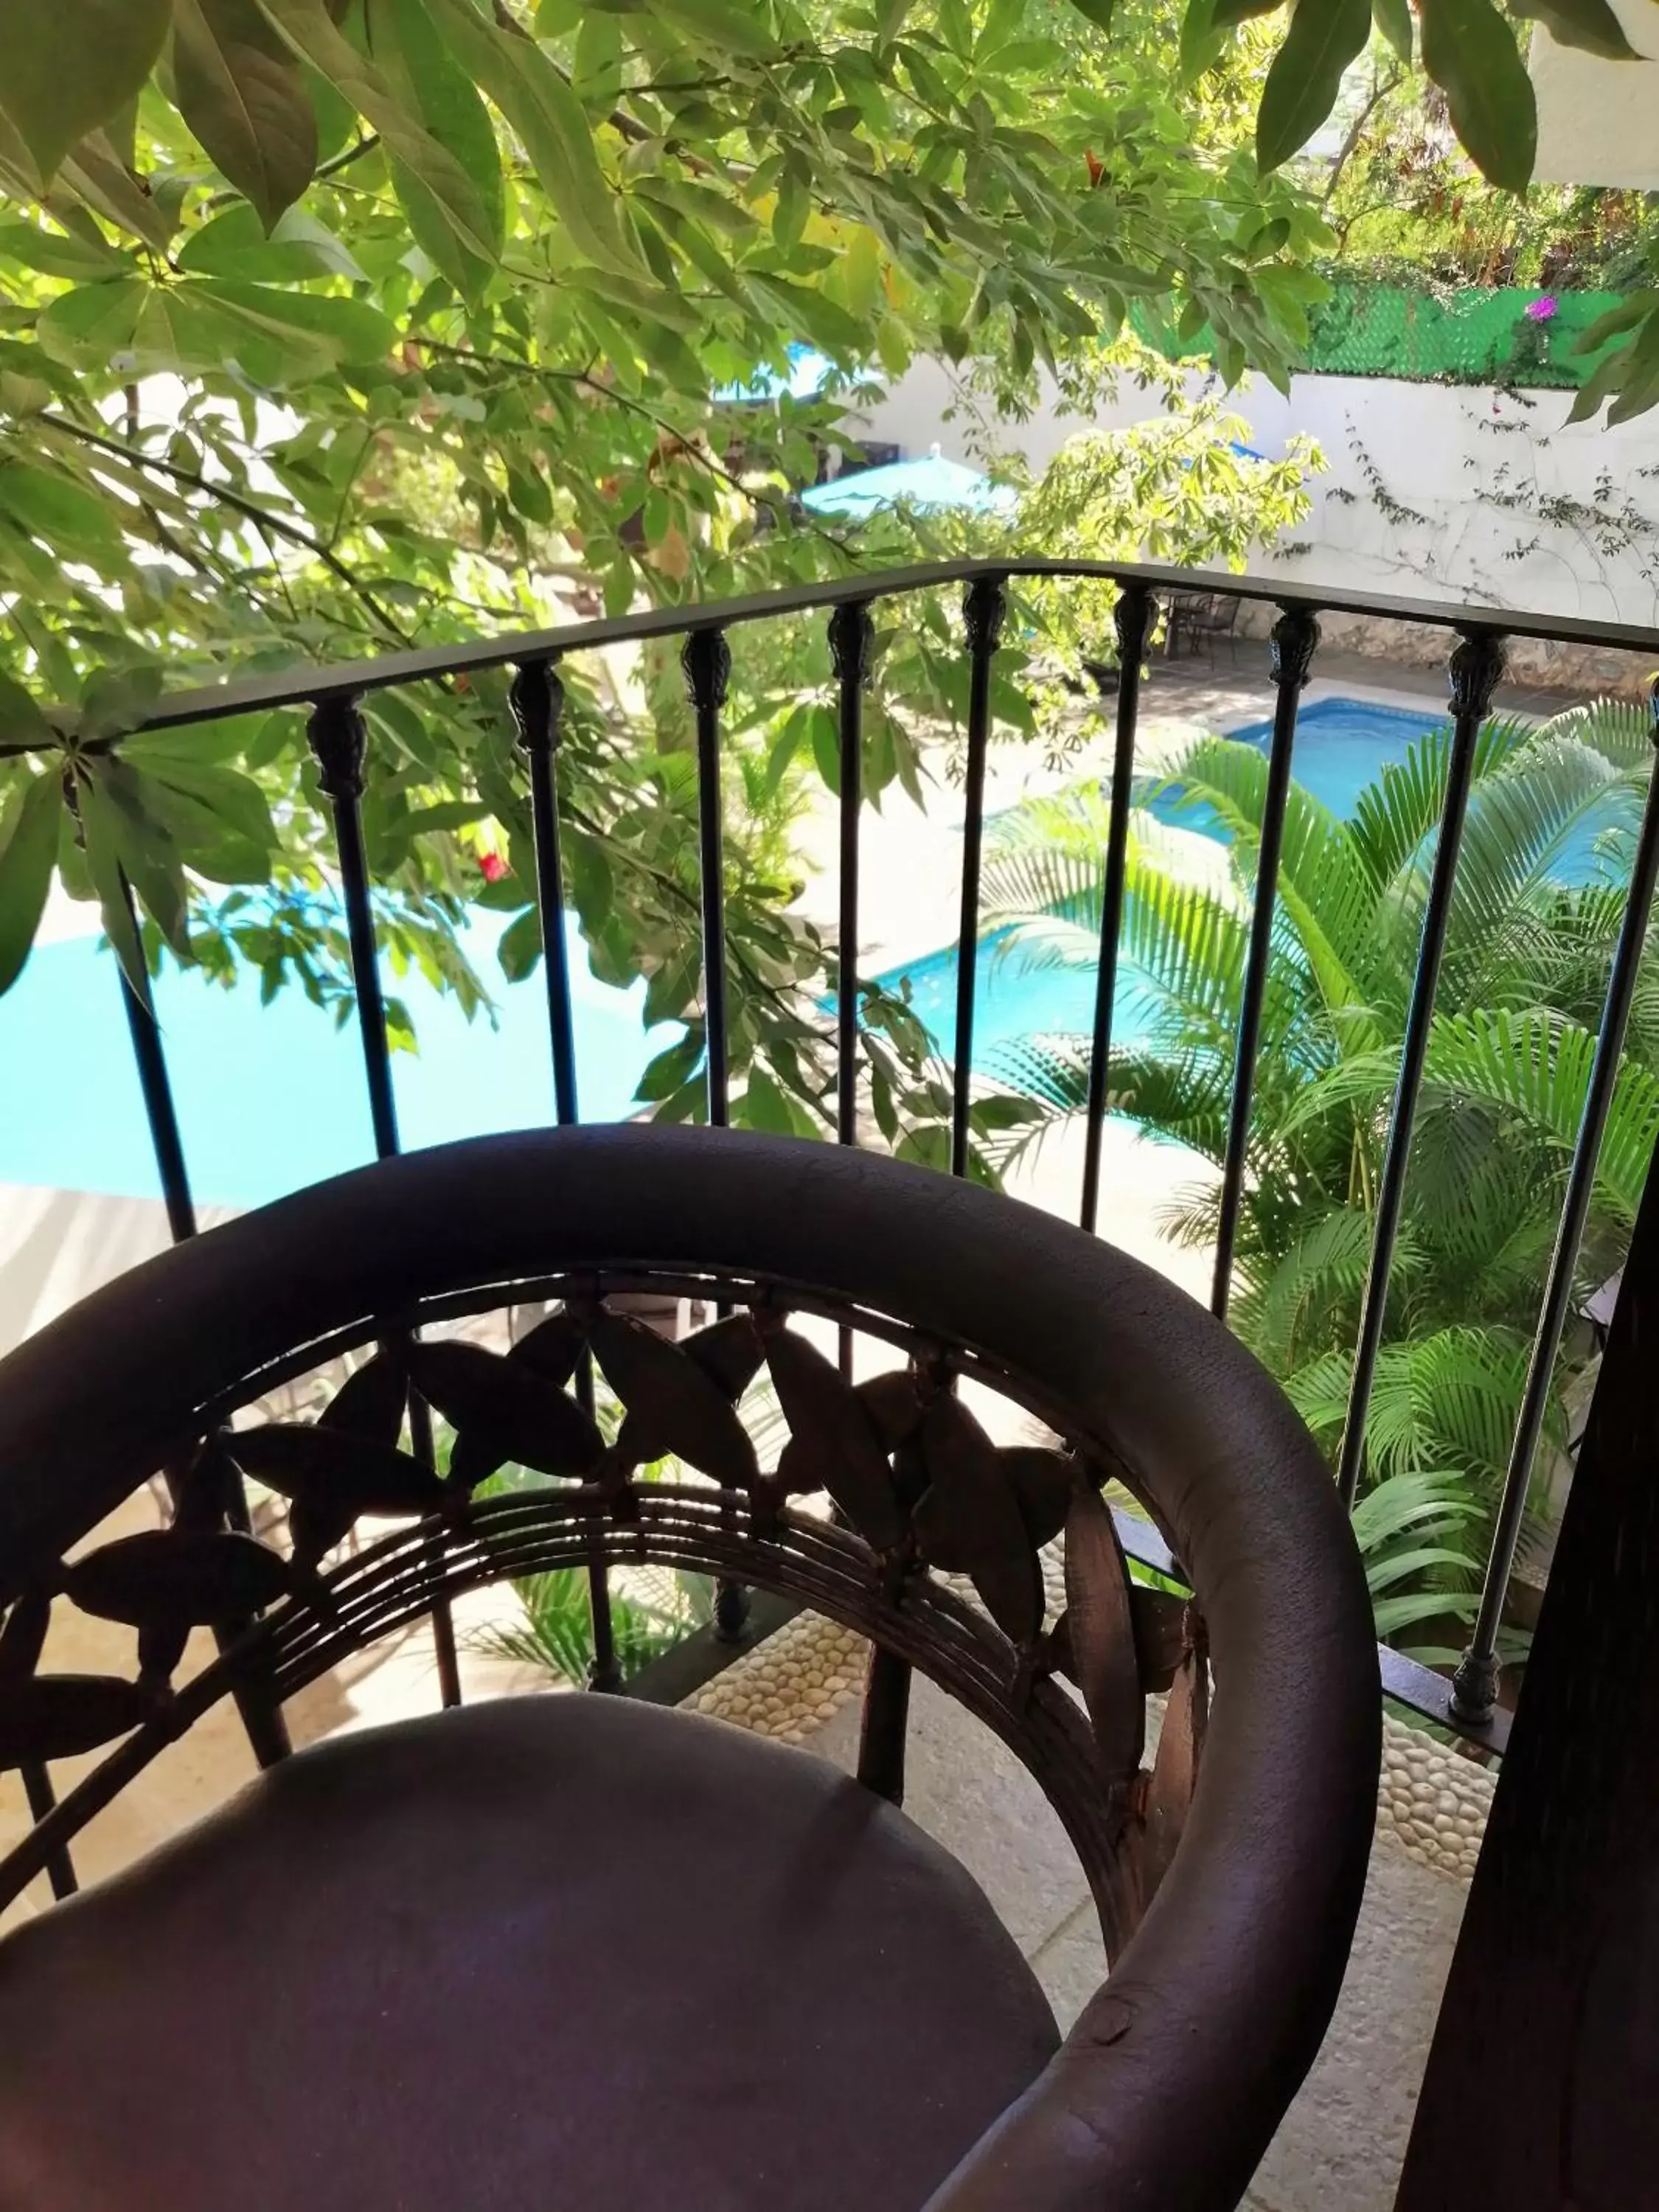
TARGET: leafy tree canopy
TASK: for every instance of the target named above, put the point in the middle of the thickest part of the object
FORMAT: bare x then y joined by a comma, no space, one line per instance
326,328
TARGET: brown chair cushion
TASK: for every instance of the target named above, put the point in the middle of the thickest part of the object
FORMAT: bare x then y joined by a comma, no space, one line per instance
571,1953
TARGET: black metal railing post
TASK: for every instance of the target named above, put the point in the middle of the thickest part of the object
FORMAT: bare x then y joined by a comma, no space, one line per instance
852,655
339,741
984,607
1295,642
1477,665
706,663
537,698
42,1799
1474,1685
852,652
267,1730
138,1003
1132,619
706,659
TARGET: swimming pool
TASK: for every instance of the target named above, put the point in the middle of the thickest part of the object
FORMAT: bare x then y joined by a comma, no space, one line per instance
1341,746
271,1098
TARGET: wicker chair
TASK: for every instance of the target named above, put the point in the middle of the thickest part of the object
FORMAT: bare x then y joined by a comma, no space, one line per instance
586,1951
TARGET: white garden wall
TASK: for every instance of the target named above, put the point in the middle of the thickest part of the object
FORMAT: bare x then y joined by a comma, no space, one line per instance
1432,491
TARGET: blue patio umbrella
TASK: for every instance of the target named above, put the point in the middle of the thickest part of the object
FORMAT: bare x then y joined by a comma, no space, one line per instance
931,484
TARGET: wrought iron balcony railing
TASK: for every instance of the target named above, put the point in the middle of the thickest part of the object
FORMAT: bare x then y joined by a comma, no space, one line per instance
1476,637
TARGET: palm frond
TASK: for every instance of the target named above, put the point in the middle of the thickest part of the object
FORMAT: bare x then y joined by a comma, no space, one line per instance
1619,729
1538,1067
1405,1502
1394,1614
1399,813
1046,856
1328,1262
1519,825
1400,1567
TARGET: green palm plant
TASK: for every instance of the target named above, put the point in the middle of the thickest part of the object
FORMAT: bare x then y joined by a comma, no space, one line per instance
555,1631
1508,1060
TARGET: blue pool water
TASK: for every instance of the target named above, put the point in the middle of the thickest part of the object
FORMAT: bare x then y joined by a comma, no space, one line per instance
271,1097
1342,745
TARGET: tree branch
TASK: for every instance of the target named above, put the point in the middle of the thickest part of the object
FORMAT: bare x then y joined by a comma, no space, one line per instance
685,441
261,516
1381,86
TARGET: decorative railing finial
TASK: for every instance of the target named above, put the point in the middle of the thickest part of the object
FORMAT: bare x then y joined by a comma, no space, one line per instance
853,643
1476,669
706,660
984,605
1294,643
537,698
340,741
1132,621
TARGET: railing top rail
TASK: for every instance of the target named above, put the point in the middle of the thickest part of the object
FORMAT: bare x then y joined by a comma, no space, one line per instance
305,686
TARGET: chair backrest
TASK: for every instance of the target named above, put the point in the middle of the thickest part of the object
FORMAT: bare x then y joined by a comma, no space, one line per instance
1228,1879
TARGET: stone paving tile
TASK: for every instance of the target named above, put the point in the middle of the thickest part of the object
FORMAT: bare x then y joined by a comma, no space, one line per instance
1070,1964
967,1789
1341,2144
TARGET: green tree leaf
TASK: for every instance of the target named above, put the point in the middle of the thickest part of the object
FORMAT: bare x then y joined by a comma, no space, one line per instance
56,253
1393,19
308,29
298,249
91,326
144,845
721,25
243,95
343,330
1099,12
1226,13
67,67
551,122
764,1106
100,826
520,946
1590,24
21,722
674,984
1201,41
671,1070
419,65
27,857
1303,82
1470,52
57,508
96,172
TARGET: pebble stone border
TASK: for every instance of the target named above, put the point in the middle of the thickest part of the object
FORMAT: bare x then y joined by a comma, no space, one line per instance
1430,1801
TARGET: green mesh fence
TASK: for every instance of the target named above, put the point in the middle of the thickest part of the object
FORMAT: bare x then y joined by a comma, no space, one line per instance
1483,337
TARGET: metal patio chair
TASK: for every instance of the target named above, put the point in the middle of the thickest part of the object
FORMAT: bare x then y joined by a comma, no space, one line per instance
585,1950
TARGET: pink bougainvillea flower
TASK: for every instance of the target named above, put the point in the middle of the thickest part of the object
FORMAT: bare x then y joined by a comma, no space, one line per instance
1541,310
